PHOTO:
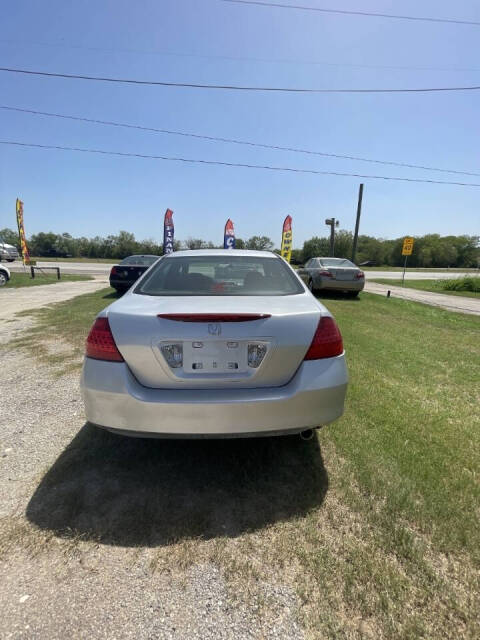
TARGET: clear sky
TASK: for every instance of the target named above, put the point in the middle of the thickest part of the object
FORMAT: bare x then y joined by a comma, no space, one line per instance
214,42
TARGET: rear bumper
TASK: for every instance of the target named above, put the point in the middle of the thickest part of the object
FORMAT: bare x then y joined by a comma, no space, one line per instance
339,285
114,399
122,283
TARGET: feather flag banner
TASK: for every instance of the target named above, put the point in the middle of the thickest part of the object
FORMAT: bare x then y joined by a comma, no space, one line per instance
21,232
287,239
168,232
229,236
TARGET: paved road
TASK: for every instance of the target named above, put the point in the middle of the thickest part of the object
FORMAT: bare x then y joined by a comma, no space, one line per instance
451,303
102,268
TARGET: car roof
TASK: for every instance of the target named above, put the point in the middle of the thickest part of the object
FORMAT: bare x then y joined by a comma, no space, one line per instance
223,252
330,258
141,255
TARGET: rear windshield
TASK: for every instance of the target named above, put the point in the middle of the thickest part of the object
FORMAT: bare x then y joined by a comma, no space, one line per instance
336,262
143,260
220,276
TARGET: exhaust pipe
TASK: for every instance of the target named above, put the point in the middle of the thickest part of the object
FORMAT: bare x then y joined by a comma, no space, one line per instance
307,434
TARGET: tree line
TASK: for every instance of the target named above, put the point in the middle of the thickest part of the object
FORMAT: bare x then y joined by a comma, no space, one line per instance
431,250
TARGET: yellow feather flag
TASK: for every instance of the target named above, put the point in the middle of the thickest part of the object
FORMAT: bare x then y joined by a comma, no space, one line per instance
21,232
287,239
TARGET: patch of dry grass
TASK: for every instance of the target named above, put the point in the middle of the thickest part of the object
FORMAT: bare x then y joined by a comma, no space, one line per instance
60,330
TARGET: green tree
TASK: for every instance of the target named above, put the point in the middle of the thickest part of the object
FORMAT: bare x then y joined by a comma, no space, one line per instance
198,243
41,243
239,243
315,247
425,257
259,243
297,256
343,244
124,245
8,236
369,248
468,249
149,246
66,244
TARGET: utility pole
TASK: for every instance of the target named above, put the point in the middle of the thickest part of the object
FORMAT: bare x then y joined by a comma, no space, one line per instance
332,223
357,223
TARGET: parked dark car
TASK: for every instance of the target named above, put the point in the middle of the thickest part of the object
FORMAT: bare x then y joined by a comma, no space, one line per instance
124,274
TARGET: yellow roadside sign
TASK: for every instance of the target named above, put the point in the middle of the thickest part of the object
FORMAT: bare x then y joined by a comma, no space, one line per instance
407,246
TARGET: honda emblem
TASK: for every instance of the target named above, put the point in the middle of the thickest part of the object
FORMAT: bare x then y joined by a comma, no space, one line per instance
214,329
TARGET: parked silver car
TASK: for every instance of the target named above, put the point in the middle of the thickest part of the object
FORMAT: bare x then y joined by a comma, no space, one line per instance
215,343
8,252
4,275
333,274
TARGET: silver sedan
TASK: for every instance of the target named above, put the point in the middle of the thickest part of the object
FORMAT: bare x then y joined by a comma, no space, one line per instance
333,274
215,343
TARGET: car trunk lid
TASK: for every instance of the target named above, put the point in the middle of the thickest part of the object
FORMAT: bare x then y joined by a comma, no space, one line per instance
128,272
342,273
227,341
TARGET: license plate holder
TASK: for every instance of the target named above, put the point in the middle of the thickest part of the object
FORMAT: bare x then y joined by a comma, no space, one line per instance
215,356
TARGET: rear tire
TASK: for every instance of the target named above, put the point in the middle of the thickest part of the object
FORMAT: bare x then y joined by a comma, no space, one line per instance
353,294
311,286
3,279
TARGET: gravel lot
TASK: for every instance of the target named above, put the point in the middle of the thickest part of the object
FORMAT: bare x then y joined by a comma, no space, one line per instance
56,585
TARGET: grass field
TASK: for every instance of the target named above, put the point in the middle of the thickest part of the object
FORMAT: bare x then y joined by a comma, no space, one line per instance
374,525
427,285
25,280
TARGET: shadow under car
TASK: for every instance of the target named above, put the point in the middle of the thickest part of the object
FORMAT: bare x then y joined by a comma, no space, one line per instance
143,492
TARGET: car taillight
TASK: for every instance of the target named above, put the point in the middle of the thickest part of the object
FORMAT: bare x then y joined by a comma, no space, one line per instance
113,271
360,275
101,344
327,274
327,341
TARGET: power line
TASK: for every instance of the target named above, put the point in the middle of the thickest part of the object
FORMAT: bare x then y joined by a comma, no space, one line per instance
368,14
235,141
191,85
204,56
232,164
